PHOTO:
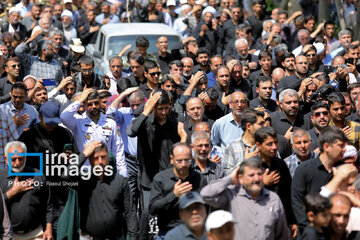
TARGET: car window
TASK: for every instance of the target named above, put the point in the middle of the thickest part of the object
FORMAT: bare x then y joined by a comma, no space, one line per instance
117,43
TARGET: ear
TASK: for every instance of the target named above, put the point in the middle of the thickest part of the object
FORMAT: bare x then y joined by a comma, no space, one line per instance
193,147
240,178
257,90
172,160
326,146
258,145
310,216
247,125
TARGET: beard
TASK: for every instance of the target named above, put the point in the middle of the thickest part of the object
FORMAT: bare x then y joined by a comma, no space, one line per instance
19,169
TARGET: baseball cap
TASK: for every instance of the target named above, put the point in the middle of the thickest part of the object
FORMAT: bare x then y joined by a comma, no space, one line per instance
50,113
189,198
76,45
67,1
319,48
218,219
170,3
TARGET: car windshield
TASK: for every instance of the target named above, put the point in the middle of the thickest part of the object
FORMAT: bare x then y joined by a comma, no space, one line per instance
117,43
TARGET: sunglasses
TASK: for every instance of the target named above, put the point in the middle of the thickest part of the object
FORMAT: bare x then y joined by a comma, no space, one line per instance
318,114
153,74
15,65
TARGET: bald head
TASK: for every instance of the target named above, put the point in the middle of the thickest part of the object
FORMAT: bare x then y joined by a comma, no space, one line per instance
277,75
340,212
202,126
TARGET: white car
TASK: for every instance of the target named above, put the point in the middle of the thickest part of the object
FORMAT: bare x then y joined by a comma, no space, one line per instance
112,38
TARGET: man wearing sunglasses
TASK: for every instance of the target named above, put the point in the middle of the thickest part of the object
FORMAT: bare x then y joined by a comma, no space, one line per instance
12,68
152,74
320,117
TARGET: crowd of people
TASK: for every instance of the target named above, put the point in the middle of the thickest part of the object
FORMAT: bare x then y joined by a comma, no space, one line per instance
248,130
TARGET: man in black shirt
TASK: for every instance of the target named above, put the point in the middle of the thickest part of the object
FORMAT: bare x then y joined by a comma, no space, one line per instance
104,198
314,173
152,73
320,117
12,69
162,55
27,198
137,63
169,185
265,62
301,71
203,58
156,134
264,90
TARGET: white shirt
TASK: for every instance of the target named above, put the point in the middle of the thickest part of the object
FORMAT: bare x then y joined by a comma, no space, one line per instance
60,99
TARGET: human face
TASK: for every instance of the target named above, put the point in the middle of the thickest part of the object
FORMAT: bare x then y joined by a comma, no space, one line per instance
264,90
257,9
329,31
90,16
176,70
14,18
245,72
188,67
142,50
290,105
252,181
181,160
236,73
289,64
320,118
268,26
269,147
208,17
105,9
309,91
100,158
210,104
301,145
340,213
223,77
195,109
304,39
17,162
242,49
354,53
282,18
103,102
194,216
69,90
66,21
311,56
337,112
40,97
322,219
169,86
225,232
345,40
116,68
260,122
136,68
4,50
162,44
92,107
45,24
203,59
57,10
35,12
348,106
161,111
336,150
201,148
203,127
13,68
225,3
215,63
18,97
87,70
310,25
57,41
107,83
302,65
238,103
153,75
135,103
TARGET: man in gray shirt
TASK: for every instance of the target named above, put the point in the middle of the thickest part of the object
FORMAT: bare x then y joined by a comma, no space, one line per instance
258,211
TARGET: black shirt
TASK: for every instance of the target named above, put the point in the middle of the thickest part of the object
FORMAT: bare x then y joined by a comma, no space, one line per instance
29,209
189,127
244,86
145,90
309,177
219,111
135,82
164,61
163,201
154,145
311,233
353,117
314,135
212,171
292,82
269,108
281,124
5,88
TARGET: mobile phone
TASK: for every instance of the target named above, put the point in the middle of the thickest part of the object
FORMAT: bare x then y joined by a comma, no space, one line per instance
329,69
349,61
49,82
68,147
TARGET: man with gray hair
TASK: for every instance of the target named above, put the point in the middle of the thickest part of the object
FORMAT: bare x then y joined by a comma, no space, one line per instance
201,147
27,198
62,55
43,66
300,142
242,50
288,119
345,39
303,36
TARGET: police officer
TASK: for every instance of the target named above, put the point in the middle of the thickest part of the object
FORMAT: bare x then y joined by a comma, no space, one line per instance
94,125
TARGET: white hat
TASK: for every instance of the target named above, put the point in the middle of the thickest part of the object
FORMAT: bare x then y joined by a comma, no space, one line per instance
68,14
76,45
14,9
67,1
209,9
218,219
350,152
319,48
170,3
183,1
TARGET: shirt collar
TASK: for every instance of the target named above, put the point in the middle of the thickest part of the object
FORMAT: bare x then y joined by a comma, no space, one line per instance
208,168
243,192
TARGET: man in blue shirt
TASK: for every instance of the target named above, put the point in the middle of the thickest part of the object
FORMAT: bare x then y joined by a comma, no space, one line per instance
106,17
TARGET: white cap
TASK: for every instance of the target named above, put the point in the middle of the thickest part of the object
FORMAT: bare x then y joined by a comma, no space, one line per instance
76,45
67,1
68,14
14,9
350,152
209,9
170,3
183,1
218,219
319,48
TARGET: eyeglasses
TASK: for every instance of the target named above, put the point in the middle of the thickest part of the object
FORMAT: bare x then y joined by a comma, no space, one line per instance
180,161
318,114
15,65
153,74
310,55
87,70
